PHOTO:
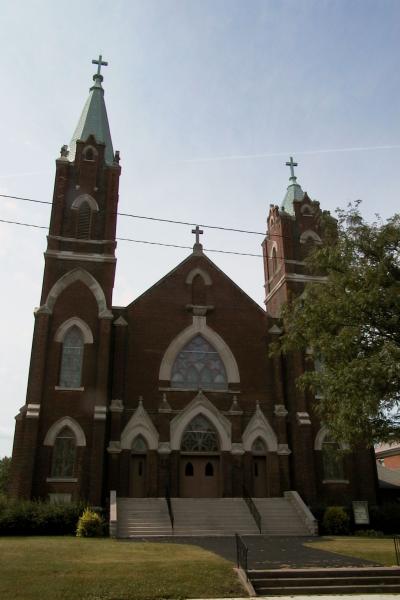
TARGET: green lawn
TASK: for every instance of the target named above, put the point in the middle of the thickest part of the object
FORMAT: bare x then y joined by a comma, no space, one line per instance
379,550
67,568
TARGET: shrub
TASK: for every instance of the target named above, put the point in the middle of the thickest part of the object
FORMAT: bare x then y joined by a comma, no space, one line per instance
368,533
336,521
90,524
31,517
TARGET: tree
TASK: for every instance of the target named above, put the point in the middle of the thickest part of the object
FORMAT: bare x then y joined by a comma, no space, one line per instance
351,325
5,467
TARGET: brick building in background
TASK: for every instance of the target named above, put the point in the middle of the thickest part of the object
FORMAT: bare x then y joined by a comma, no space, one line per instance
175,390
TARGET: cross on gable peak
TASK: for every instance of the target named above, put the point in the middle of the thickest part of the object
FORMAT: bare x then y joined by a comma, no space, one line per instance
197,245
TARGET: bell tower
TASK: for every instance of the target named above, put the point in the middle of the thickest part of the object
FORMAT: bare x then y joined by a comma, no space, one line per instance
292,230
68,383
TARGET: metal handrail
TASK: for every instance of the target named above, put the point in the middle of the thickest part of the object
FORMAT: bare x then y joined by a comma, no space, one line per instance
396,541
241,553
252,508
169,504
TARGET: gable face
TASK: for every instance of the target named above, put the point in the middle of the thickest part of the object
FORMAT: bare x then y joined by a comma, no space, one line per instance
196,304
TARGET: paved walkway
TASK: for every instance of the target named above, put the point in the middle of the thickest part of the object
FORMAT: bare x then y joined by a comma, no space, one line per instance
270,552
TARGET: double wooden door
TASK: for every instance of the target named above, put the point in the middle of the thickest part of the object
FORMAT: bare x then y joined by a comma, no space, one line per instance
199,477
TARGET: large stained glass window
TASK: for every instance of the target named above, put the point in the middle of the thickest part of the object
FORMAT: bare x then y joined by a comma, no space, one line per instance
199,366
71,359
199,436
64,454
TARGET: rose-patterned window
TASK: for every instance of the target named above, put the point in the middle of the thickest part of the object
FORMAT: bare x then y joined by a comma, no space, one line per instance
199,436
199,366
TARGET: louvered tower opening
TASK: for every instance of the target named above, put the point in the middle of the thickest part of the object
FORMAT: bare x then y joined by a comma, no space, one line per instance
84,221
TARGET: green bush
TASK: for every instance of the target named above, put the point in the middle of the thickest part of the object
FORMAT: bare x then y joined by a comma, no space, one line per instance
26,517
336,521
368,533
90,524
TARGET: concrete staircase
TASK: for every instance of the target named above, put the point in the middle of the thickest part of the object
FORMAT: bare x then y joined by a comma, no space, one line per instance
354,580
212,516
279,517
147,517
142,517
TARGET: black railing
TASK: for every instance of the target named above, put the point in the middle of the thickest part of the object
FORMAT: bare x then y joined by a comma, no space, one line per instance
241,553
169,504
252,508
396,541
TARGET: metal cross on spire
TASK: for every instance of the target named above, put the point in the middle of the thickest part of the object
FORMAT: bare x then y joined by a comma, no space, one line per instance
292,164
100,63
198,232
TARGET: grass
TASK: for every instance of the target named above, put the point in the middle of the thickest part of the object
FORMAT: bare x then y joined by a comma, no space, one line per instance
378,550
37,568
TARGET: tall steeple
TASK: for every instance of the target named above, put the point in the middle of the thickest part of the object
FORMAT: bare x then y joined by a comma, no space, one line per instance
294,191
93,120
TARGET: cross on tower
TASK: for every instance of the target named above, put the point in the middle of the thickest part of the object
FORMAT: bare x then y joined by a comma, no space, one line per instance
100,63
292,164
198,232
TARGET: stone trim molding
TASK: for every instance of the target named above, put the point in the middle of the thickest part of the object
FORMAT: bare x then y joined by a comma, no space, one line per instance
139,424
199,326
283,450
100,413
32,411
198,271
164,448
309,234
61,479
280,410
84,327
320,437
200,405
67,279
336,481
258,426
79,200
114,447
120,322
116,406
237,449
55,429
303,418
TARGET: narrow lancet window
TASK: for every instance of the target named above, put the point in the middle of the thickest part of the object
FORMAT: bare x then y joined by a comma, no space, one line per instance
84,223
71,359
64,454
332,460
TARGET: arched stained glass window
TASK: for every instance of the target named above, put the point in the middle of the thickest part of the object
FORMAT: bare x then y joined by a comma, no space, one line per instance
199,436
139,445
64,453
71,358
332,459
199,366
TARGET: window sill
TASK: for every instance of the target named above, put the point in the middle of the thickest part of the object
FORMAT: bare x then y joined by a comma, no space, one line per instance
61,479
346,481
60,388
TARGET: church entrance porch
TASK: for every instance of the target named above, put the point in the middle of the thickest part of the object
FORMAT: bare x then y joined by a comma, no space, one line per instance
199,477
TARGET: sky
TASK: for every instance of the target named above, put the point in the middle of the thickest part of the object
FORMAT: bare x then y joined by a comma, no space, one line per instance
206,100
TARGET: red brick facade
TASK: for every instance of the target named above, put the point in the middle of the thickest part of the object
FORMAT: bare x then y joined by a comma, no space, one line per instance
126,390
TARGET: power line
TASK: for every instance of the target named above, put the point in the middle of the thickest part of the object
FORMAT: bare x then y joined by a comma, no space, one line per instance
123,239
159,219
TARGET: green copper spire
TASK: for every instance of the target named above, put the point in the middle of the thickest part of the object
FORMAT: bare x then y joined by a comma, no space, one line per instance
93,120
294,191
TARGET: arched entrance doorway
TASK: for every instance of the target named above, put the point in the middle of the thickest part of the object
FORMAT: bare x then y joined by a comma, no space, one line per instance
259,469
199,475
138,468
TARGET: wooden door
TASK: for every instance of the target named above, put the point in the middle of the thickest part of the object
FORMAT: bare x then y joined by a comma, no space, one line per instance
138,476
260,488
199,477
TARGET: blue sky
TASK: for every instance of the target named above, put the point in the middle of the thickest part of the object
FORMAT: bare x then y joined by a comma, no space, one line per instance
206,102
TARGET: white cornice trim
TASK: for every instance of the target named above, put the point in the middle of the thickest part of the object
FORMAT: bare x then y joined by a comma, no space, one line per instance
71,255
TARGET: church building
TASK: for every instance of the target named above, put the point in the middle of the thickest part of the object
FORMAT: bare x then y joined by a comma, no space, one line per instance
175,394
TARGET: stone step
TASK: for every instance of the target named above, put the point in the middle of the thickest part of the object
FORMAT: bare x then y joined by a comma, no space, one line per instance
329,589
